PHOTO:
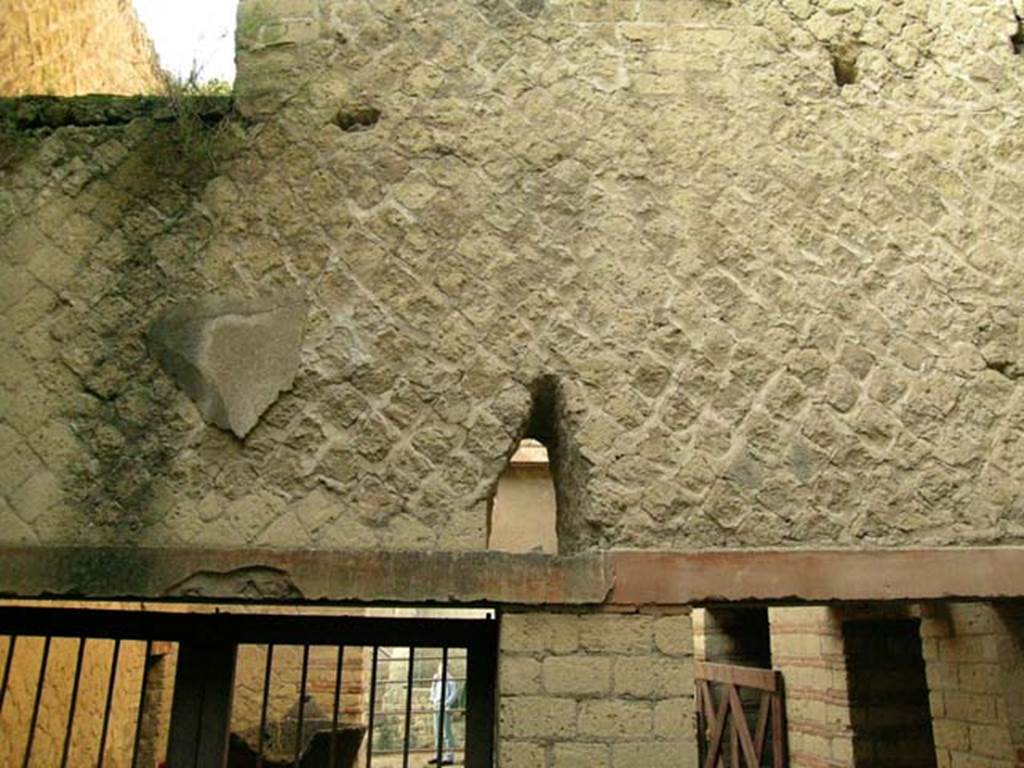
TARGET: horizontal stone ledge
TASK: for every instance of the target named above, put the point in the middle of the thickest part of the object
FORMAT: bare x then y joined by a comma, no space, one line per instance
617,578
46,113
785,577
349,576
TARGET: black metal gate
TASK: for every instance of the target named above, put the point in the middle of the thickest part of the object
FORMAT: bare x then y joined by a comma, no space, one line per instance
206,648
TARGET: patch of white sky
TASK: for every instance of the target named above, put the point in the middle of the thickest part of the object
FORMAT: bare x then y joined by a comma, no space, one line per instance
192,36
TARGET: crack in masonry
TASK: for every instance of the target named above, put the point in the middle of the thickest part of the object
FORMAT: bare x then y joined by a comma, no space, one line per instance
1017,38
1007,368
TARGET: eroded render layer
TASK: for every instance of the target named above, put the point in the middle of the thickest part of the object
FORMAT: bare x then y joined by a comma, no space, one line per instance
765,309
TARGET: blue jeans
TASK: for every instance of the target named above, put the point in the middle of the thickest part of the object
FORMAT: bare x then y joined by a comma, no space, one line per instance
448,734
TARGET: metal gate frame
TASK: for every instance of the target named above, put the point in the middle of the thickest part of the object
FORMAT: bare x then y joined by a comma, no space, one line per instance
208,642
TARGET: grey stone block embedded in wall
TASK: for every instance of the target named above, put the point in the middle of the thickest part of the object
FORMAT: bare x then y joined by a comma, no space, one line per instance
232,356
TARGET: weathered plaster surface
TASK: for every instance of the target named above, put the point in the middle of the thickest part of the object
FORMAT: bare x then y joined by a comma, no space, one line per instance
232,357
777,312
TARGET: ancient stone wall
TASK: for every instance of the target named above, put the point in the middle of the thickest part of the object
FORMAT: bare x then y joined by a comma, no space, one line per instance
51,726
975,672
852,697
72,47
596,691
807,647
750,267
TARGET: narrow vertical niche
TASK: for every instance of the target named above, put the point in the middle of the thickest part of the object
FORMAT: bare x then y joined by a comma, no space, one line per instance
845,63
539,495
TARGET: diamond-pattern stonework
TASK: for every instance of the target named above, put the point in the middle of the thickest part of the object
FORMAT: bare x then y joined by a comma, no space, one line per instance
778,311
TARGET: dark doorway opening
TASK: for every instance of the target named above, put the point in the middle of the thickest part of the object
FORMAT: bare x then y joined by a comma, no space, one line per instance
889,710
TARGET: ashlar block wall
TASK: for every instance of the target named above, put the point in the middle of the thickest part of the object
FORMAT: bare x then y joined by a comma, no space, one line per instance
83,748
975,667
807,647
596,690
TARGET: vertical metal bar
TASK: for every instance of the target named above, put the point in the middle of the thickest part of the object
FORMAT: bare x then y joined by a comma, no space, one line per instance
74,703
373,707
263,708
142,702
39,697
302,703
481,699
439,736
109,703
408,707
337,707
204,684
7,670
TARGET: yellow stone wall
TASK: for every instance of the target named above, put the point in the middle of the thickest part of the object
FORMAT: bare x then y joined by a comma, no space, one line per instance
807,647
975,671
972,661
598,690
74,47
53,707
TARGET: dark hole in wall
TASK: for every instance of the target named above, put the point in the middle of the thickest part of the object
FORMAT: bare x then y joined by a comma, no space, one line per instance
844,64
1017,38
889,708
738,635
532,8
359,117
541,423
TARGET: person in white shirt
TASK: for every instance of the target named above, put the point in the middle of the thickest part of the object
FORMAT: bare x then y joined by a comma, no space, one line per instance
443,694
